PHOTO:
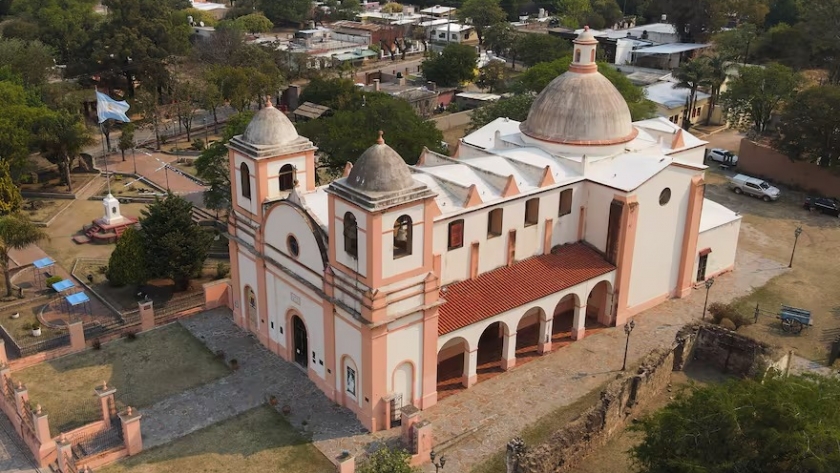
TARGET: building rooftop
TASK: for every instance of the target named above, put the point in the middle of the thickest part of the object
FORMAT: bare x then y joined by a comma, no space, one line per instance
437,10
473,300
672,48
453,28
665,94
715,215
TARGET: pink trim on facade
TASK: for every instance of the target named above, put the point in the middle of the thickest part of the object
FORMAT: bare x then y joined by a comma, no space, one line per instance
624,266
549,229
581,223
691,233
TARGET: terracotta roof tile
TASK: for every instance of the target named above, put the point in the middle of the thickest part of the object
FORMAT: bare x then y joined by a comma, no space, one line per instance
500,290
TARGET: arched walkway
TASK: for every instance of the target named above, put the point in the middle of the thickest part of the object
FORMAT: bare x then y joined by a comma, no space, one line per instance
451,367
564,317
528,334
598,313
489,354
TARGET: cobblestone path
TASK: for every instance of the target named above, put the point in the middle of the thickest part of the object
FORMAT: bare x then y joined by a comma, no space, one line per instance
261,374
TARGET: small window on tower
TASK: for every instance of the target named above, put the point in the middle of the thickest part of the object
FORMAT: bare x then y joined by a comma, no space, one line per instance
351,235
456,234
402,236
287,177
245,180
577,55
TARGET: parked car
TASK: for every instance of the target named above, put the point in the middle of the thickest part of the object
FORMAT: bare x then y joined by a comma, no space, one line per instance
722,156
743,184
825,205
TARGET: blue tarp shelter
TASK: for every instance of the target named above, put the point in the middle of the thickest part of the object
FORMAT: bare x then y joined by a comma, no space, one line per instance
41,269
64,285
78,301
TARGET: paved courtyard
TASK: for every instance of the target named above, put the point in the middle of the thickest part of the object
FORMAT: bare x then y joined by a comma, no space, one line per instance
260,374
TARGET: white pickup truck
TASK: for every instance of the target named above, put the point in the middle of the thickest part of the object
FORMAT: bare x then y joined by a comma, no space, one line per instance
743,184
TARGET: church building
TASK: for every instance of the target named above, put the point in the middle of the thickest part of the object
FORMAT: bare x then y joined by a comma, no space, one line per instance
395,285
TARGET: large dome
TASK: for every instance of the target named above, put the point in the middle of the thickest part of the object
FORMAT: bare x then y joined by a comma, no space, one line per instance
269,127
580,107
380,169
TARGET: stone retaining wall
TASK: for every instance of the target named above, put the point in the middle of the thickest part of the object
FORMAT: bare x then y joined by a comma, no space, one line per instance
711,344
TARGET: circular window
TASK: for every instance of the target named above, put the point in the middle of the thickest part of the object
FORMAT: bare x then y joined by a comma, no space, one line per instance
292,245
665,196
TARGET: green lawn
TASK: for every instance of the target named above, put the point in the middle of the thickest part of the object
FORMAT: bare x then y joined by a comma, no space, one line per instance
258,440
156,365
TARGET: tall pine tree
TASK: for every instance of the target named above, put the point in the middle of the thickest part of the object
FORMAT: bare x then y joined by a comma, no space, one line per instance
175,246
127,264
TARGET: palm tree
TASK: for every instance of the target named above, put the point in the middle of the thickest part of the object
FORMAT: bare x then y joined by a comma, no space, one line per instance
717,76
692,75
62,136
16,233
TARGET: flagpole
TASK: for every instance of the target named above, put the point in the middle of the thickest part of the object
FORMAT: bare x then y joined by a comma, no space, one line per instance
104,148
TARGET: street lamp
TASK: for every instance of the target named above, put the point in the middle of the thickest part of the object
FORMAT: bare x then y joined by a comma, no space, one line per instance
439,465
628,328
709,282
796,234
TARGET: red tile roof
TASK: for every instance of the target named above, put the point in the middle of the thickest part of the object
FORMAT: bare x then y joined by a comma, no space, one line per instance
497,291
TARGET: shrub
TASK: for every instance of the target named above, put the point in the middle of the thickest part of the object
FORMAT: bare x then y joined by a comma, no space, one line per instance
720,311
54,279
222,270
728,324
130,335
97,344
198,144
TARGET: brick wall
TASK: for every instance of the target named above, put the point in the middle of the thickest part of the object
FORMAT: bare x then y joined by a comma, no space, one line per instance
762,161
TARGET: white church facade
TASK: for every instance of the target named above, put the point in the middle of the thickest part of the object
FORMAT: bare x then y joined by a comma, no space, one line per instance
395,284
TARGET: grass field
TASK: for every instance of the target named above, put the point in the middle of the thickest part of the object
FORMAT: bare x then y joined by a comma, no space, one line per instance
156,365
258,440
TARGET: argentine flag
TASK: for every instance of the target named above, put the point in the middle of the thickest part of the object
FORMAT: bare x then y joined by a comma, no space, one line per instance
106,108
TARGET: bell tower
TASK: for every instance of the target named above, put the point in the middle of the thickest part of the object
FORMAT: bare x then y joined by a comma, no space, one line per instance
585,47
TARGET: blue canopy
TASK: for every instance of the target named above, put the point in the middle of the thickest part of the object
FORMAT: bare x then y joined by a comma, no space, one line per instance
44,263
63,285
77,298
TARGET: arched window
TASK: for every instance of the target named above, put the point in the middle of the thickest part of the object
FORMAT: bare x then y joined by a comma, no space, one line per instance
245,180
351,235
402,236
577,55
287,177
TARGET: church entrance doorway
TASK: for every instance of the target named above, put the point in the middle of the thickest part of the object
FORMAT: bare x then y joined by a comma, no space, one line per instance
300,342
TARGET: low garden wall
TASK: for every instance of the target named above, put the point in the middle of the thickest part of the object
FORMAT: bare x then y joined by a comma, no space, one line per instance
623,397
114,436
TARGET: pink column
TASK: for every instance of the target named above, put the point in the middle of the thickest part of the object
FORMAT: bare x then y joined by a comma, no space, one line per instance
579,323
147,315
64,454
131,431
423,439
77,336
21,396
470,367
546,327
105,394
346,464
410,415
3,357
509,352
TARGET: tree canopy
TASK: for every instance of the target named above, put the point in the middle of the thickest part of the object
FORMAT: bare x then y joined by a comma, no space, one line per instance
127,263
779,425
213,167
386,460
515,107
808,128
533,49
757,93
344,136
481,14
454,65
16,232
175,246
32,60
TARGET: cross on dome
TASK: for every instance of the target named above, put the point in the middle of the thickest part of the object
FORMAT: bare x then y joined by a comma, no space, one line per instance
268,101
